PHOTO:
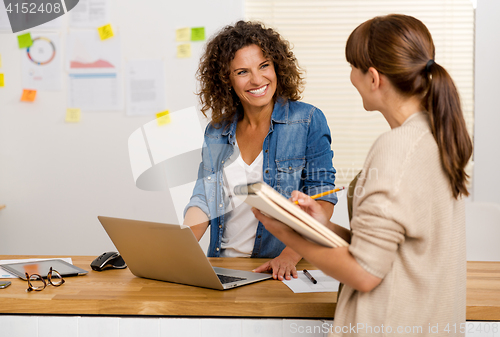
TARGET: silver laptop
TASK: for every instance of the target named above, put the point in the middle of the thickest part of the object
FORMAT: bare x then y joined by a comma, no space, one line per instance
170,253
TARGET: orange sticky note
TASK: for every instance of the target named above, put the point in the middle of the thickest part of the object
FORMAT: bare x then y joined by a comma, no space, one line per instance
105,32
163,117
28,95
2,83
73,115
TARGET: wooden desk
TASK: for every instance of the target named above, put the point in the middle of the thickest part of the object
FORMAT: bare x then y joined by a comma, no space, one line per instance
119,293
483,291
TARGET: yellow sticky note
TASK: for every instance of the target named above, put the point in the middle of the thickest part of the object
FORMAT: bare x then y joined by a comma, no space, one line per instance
198,34
183,34
28,95
184,51
2,83
24,40
72,115
105,32
163,117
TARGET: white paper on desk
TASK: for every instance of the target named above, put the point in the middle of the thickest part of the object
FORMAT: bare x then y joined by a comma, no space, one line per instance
5,274
303,285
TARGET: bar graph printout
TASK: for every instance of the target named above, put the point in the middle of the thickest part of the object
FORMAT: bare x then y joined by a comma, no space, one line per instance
94,78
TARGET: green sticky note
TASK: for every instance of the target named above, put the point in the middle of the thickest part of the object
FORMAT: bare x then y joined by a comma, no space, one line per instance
198,34
24,40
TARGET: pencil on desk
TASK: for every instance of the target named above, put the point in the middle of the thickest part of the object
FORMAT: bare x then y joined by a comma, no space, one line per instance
319,195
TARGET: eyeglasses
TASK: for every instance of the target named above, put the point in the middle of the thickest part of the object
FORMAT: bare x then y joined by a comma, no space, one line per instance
37,283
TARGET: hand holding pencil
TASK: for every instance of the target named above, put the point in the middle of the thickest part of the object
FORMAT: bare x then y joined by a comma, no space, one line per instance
319,195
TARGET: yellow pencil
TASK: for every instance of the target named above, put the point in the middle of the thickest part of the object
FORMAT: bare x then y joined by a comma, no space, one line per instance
323,194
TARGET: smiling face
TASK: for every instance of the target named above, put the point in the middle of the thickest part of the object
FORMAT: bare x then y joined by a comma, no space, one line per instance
253,78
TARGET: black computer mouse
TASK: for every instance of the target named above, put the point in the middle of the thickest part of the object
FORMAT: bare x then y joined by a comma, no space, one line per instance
108,260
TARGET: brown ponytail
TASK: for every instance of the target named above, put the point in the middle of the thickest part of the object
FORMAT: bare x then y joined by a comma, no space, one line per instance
400,47
448,126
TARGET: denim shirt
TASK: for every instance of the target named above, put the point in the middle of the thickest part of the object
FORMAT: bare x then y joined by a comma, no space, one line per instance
297,156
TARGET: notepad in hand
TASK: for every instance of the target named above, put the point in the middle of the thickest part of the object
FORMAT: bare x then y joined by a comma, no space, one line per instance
269,201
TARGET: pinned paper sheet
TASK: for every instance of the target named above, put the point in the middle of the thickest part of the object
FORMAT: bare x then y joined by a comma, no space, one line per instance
183,34
73,115
41,63
198,34
24,40
2,83
105,32
145,84
184,51
28,95
163,118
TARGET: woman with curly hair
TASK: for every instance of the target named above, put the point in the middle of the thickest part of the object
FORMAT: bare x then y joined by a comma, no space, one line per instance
250,82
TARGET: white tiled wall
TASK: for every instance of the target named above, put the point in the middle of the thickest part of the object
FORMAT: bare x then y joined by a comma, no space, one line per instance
50,326
18,326
98,326
180,327
70,326
261,327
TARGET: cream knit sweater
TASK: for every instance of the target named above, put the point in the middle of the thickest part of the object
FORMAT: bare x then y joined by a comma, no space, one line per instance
408,230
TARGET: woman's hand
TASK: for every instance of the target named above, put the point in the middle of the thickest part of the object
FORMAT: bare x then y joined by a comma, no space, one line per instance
310,206
282,266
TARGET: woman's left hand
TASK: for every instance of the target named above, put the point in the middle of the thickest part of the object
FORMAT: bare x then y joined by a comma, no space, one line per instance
282,266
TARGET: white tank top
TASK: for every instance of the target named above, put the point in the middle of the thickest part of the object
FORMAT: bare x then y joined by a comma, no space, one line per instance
241,225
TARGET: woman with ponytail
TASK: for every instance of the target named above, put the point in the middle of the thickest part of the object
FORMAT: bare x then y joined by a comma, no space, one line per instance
404,272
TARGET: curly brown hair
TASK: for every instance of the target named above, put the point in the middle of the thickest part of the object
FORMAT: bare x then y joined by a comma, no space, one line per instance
213,72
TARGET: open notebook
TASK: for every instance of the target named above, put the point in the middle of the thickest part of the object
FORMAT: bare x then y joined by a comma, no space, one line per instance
269,201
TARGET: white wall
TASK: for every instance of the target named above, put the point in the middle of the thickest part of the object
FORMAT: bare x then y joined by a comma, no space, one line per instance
483,207
56,178
487,107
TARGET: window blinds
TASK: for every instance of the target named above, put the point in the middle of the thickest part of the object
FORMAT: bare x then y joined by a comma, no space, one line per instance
318,31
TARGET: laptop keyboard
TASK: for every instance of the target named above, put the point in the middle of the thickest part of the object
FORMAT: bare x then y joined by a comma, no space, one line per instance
228,279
